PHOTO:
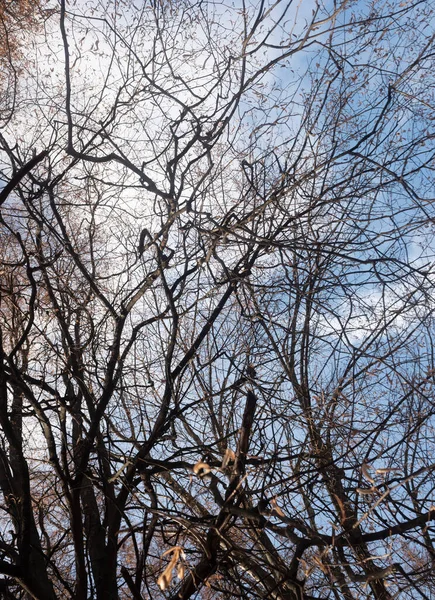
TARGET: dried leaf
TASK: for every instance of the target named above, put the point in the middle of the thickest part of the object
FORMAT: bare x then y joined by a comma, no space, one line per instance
386,470
229,457
118,473
306,567
365,471
180,571
342,509
276,508
164,580
366,491
319,563
201,469
176,550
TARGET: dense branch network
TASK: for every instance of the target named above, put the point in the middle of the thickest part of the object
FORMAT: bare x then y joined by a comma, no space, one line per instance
216,302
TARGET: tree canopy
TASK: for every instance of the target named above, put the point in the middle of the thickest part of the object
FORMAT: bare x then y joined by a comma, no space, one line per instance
217,300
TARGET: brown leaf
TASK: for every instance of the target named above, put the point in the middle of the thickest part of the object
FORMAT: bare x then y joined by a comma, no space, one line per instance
319,563
384,470
366,491
276,508
180,571
229,457
342,509
201,469
165,578
365,471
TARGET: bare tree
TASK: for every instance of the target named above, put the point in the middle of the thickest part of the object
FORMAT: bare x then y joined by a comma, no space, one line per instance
217,361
